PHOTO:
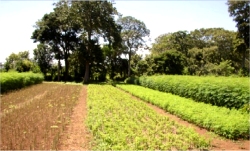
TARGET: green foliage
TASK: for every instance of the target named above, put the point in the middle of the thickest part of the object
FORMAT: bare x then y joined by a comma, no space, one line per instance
19,62
43,56
239,10
96,19
204,49
133,35
12,80
111,82
245,108
169,62
243,72
231,124
35,69
132,80
180,41
24,65
118,122
224,68
230,92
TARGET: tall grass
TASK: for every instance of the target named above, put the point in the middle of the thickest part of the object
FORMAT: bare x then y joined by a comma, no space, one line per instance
13,80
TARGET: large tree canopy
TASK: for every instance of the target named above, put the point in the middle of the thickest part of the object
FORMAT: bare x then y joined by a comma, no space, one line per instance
78,25
59,30
43,56
239,10
96,19
133,32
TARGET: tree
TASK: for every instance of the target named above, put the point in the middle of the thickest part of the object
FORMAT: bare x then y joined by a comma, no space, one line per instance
213,46
58,29
19,62
96,19
181,41
162,43
239,10
133,32
43,55
170,62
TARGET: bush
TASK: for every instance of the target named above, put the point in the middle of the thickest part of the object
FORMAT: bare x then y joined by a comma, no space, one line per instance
132,80
13,80
230,92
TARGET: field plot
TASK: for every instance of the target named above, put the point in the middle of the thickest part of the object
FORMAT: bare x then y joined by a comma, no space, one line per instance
21,97
231,124
39,123
118,122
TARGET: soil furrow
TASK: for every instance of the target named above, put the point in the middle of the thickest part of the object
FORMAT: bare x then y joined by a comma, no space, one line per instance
76,136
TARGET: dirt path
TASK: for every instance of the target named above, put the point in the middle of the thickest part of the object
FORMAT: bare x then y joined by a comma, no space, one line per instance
76,136
218,143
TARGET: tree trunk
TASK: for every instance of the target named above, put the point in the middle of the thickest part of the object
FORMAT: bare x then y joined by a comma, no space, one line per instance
86,76
58,70
243,59
129,57
112,71
66,69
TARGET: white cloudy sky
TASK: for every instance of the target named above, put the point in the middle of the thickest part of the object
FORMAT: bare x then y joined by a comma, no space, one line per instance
18,17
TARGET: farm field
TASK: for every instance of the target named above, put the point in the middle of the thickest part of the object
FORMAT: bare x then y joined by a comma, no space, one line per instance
94,117
36,122
228,123
121,123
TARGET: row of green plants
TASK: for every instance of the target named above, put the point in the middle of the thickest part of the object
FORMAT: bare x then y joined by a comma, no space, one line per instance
14,80
119,122
39,125
230,92
228,123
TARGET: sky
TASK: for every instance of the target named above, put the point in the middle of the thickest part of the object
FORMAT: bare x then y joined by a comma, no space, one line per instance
17,19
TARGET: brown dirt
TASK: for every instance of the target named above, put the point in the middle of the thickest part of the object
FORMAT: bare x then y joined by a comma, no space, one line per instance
217,143
76,136
20,105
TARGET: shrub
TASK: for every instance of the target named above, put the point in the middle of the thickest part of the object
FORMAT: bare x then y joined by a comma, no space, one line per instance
13,80
230,92
132,80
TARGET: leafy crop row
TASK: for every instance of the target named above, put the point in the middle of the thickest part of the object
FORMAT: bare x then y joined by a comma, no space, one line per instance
13,80
39,124
223,121
119,122
230,92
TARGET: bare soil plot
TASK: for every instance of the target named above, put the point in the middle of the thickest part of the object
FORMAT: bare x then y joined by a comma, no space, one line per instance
40,123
